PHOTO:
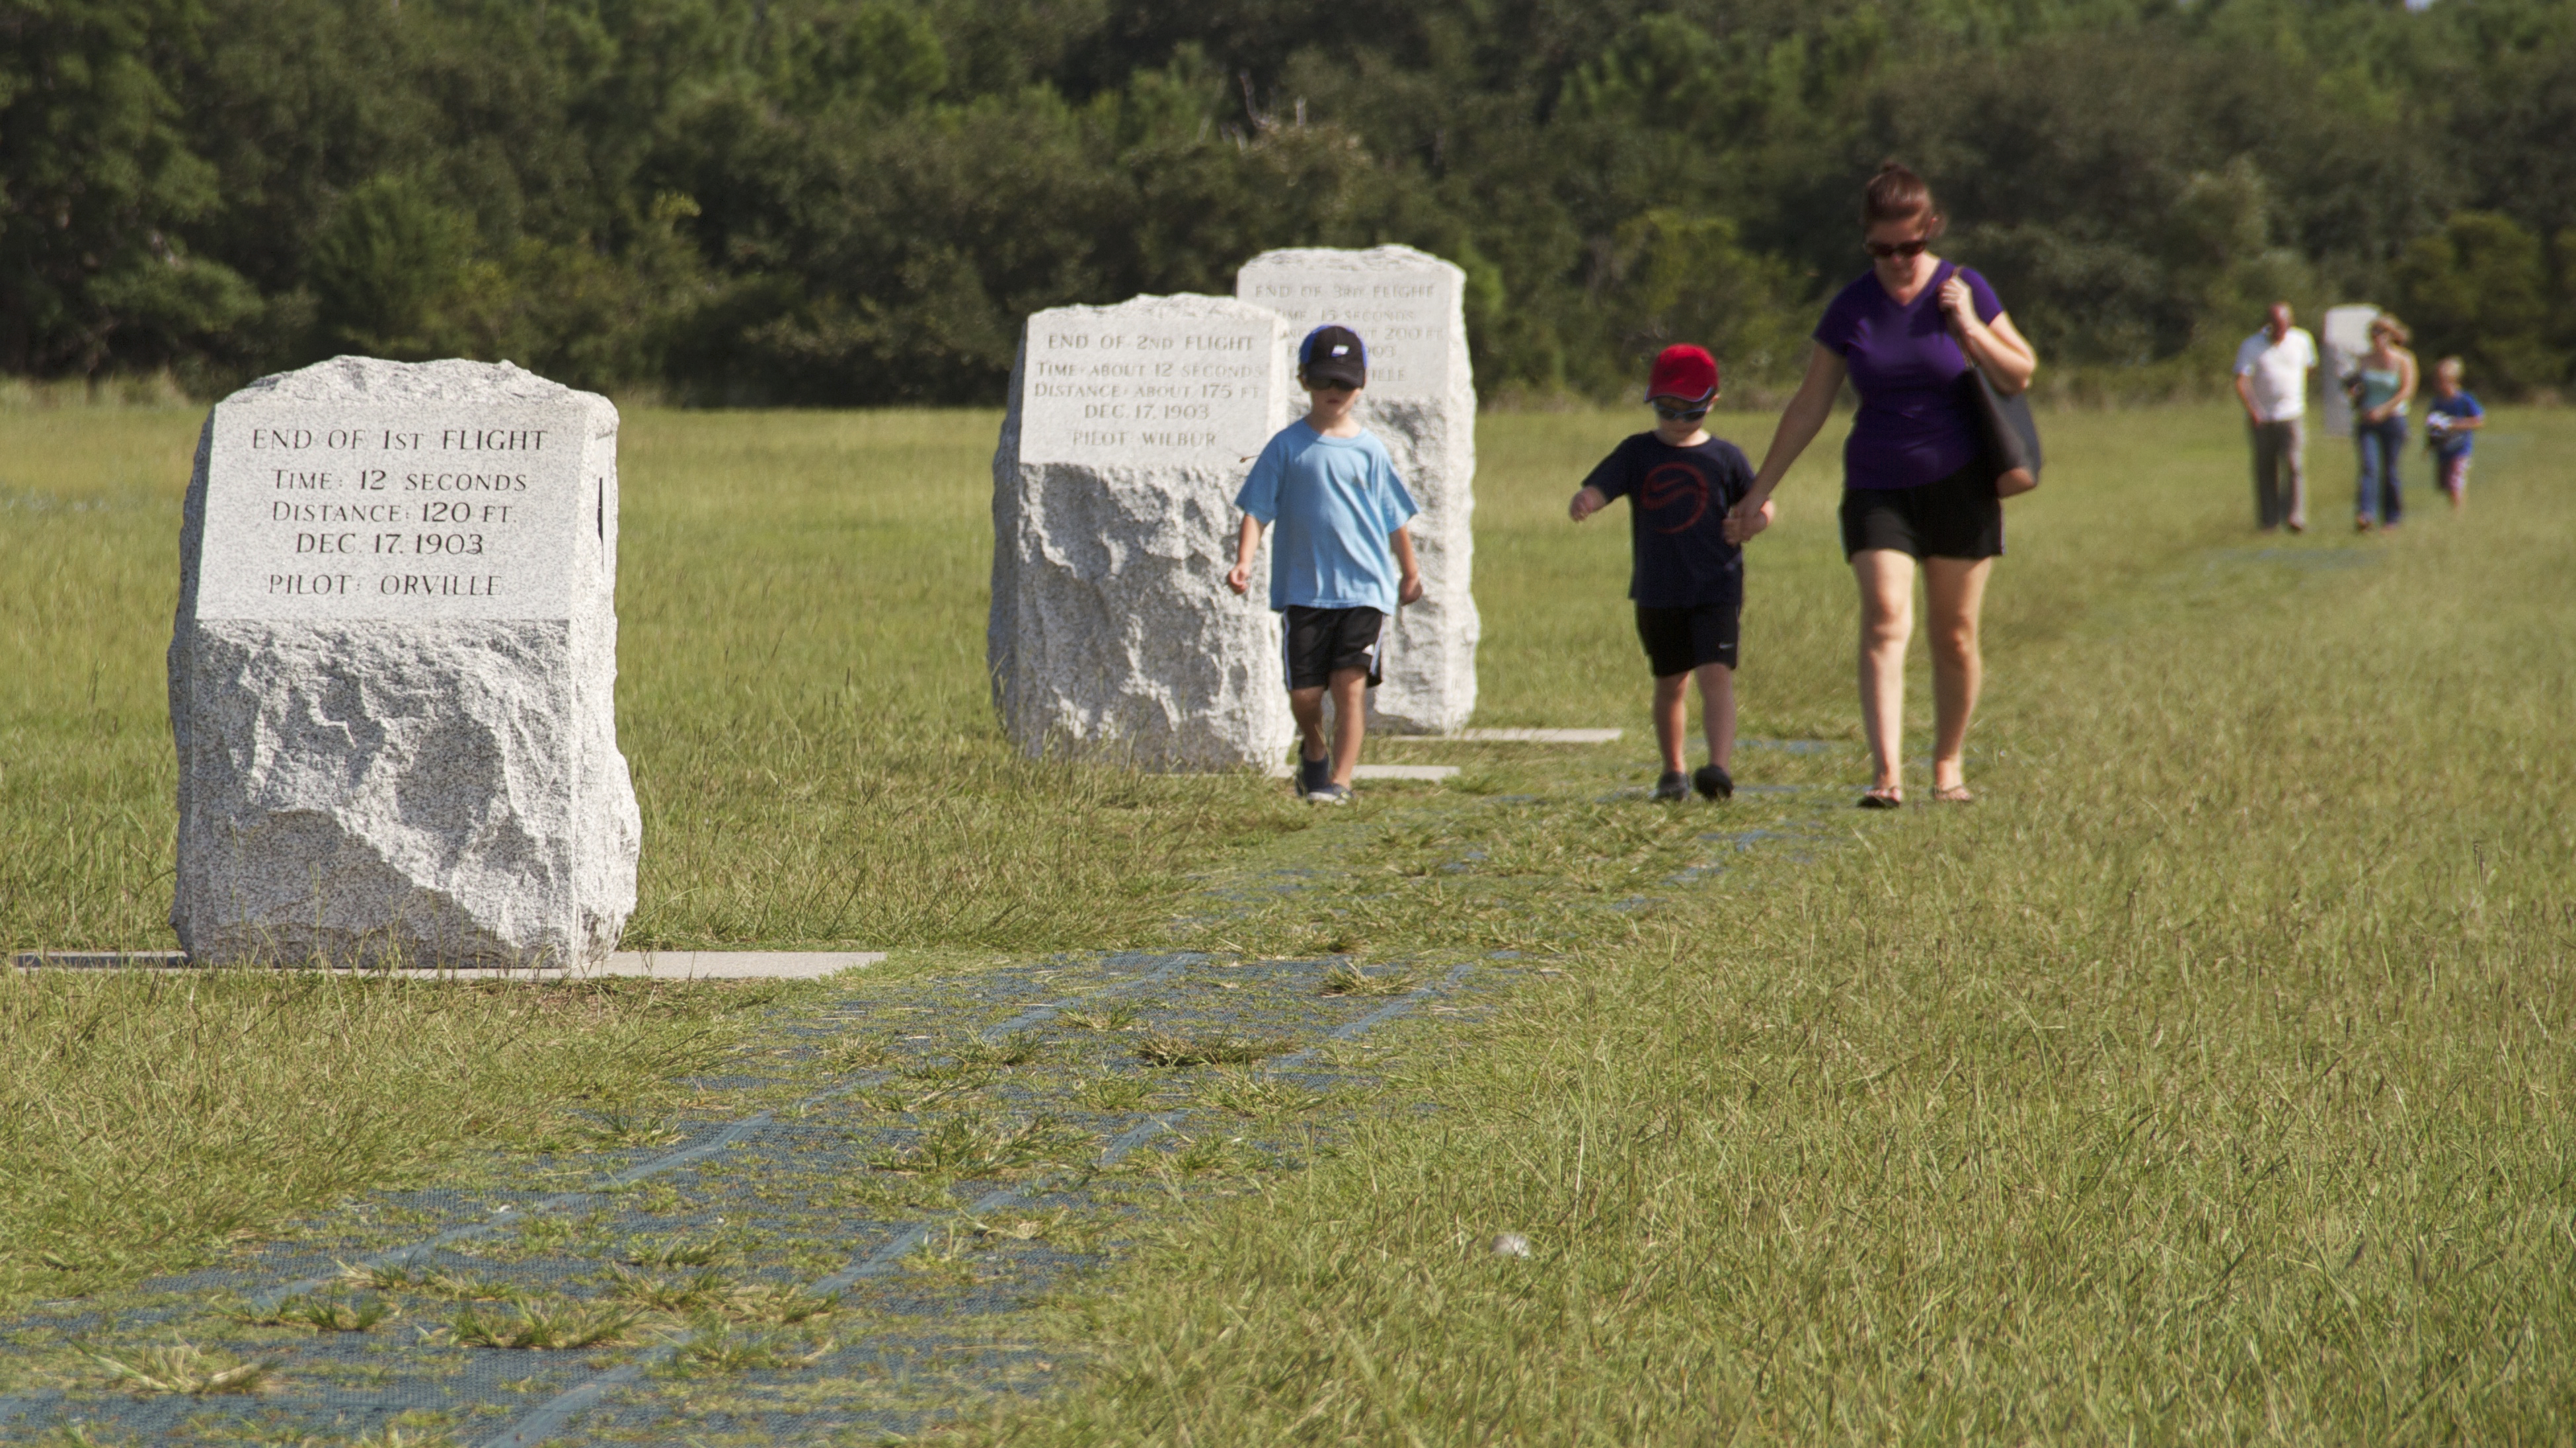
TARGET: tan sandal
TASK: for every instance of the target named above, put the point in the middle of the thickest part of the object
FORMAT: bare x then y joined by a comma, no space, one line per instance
1953,794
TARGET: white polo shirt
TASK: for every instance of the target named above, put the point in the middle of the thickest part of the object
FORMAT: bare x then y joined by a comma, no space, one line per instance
2279,371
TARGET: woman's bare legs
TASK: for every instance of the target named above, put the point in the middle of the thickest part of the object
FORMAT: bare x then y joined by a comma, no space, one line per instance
1954,591
1886,579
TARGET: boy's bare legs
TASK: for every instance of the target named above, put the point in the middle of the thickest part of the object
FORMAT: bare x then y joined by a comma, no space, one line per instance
1886,579
1350,721
1672,718
1716,715
1954,591
1307,705
1717,712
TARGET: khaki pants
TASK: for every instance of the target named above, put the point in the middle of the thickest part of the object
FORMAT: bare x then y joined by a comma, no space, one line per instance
2280,448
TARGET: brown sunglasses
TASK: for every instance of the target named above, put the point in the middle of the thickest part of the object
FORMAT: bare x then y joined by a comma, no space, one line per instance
1885,249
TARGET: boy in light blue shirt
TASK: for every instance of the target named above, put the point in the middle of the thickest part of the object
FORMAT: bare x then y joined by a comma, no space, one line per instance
1340,561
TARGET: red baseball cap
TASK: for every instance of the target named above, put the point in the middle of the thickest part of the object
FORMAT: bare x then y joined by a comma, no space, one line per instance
1684,371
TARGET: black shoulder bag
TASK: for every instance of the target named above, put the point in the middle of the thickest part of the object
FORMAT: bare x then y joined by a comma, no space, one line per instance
2012,436
2011,433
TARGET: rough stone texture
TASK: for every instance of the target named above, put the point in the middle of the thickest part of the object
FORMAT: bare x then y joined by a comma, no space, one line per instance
392,674
1408,307
1129,431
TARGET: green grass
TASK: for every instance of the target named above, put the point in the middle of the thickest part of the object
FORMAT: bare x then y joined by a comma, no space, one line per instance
1166,1048
182,1368
322,1314
1350,980
2209,1080
723,1348
542,1326
149,1120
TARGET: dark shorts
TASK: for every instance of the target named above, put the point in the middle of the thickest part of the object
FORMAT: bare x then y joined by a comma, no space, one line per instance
1679,640
1323,641
1957,517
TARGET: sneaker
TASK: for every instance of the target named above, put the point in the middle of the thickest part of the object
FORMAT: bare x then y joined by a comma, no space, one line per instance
1674,785
1329,793
1313,774
1713,782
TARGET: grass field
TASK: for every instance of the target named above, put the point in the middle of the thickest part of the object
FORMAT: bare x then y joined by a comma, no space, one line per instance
2207,1081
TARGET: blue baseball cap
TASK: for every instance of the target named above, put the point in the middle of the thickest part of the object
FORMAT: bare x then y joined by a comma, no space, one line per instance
1333,353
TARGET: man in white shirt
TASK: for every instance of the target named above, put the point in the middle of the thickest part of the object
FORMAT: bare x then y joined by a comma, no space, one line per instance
2272,381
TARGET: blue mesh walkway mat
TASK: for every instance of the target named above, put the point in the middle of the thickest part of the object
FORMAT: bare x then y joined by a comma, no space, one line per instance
818,1265
853,1235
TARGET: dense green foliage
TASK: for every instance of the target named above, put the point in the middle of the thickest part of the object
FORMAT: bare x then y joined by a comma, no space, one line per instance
856,200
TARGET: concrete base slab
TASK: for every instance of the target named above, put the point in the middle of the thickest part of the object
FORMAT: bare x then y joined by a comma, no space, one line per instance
1382,771
99,959
650,964
1535,736
737,964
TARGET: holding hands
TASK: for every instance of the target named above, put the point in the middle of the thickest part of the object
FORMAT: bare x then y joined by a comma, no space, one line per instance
1751,514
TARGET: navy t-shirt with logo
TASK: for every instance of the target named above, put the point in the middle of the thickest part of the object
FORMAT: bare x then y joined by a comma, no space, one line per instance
1677,503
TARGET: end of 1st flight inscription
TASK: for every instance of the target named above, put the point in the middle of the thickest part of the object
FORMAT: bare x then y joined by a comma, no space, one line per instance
360,518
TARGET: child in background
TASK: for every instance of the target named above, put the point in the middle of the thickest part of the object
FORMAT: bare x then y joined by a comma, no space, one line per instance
1342,560
2450,431
1685,578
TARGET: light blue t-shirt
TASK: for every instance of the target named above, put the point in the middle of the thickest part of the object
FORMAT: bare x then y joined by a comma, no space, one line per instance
1333,500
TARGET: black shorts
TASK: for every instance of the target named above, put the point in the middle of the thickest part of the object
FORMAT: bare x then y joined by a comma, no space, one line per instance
1957,517
1323,641
1679,640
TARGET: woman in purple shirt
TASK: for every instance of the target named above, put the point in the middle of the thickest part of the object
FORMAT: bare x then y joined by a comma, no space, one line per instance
1917,487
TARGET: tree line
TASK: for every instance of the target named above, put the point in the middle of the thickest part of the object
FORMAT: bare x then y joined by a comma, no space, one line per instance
857,201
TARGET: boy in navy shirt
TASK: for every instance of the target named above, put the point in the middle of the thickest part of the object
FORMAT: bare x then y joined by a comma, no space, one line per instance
2451,431
1341,561
1686,579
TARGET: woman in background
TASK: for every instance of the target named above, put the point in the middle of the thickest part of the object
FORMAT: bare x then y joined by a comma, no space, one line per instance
2380,392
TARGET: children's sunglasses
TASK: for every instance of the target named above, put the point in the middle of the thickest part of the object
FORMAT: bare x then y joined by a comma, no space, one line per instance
1885,249
1676,411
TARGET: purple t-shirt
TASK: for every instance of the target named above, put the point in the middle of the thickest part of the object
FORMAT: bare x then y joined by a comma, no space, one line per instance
1914,425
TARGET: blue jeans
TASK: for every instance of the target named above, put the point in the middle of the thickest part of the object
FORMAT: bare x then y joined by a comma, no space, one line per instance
2382,444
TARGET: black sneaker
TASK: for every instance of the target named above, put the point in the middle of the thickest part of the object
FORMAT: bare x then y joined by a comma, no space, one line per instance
1674,785
1713,782
1313,774
1329,793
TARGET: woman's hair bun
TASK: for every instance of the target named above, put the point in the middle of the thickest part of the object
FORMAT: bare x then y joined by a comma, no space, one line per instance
1897,194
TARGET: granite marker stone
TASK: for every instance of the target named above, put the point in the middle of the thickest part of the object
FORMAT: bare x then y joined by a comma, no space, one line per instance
392,676
1130,428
